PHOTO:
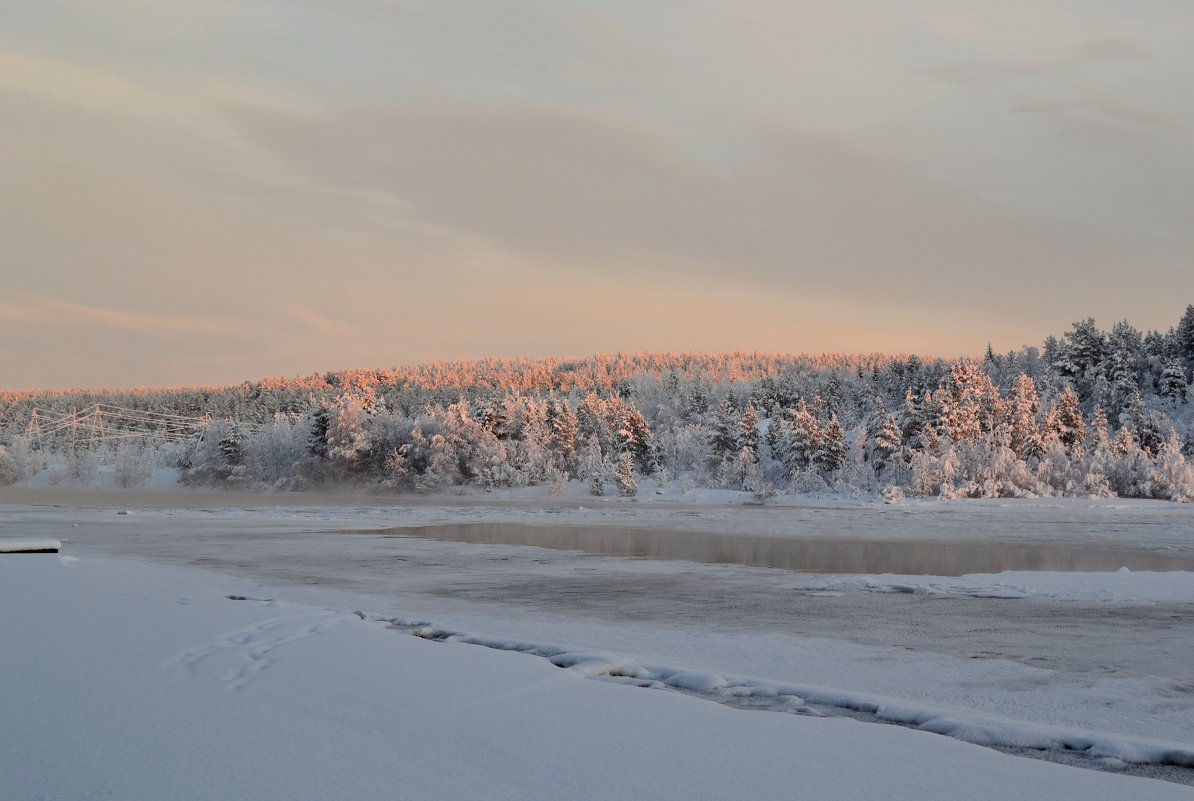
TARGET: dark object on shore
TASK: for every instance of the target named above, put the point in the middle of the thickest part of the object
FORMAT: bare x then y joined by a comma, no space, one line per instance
30,545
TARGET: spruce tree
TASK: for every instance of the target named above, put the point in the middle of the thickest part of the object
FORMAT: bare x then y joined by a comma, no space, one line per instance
1098,428
1184,343
564,433
1121,368
804,438
749,431
636,439
874,425
1021,411
593,466
723,439
970,406
910,419
624,478
1146,431
1065,420
1173,382
830,456
887,445
1080,357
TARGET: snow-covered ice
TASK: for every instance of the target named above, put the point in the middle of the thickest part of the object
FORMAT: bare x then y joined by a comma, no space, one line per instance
140,681
1100,664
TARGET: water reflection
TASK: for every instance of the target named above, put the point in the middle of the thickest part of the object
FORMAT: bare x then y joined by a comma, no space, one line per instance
812,555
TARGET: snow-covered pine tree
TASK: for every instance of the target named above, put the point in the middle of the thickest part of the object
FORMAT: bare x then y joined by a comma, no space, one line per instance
636,439
875,419
1173,383
1184,343
1065,422
777,437
830,455
529,452
624,477
1121,367
1143,424
347,440
1097,428
970,405
1080,357
564,434
748,428
748,475
697,403
1021,411
491,414
910,419
592,466
804,438
886,446
723,437
317,440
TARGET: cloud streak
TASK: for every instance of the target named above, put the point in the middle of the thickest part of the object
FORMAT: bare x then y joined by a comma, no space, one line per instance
30,308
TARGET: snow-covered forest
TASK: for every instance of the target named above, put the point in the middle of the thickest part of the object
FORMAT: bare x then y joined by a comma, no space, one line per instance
1092,413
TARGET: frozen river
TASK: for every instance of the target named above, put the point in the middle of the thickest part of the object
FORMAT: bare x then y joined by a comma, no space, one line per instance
1102,650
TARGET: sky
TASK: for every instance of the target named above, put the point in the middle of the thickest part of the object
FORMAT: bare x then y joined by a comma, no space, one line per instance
209,192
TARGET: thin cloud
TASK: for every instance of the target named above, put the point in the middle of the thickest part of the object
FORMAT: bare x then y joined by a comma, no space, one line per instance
87,86
1109,107
1109,50
319,323
49,310
1115,48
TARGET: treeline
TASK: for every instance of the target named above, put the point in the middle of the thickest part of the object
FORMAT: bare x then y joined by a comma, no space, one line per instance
1092,413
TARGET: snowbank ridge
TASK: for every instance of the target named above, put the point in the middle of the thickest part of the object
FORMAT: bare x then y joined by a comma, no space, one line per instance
979,729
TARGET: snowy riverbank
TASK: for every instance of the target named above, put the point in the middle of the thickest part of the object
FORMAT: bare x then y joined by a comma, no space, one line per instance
140,681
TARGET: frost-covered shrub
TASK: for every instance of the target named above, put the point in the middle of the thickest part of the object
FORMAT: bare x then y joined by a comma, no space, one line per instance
133,464
1172,476
10,471
272,451
557,481
1055,470
689,449
808,482
1128,467
82,466
764,493
29,462
1095,483
923,475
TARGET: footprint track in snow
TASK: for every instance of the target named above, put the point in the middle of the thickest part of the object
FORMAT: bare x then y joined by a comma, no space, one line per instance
255,644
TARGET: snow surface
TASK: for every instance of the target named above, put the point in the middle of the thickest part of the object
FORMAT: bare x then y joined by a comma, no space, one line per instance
1120,586
1051,660
139,681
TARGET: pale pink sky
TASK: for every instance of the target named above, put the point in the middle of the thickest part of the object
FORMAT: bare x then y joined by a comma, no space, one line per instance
209,192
